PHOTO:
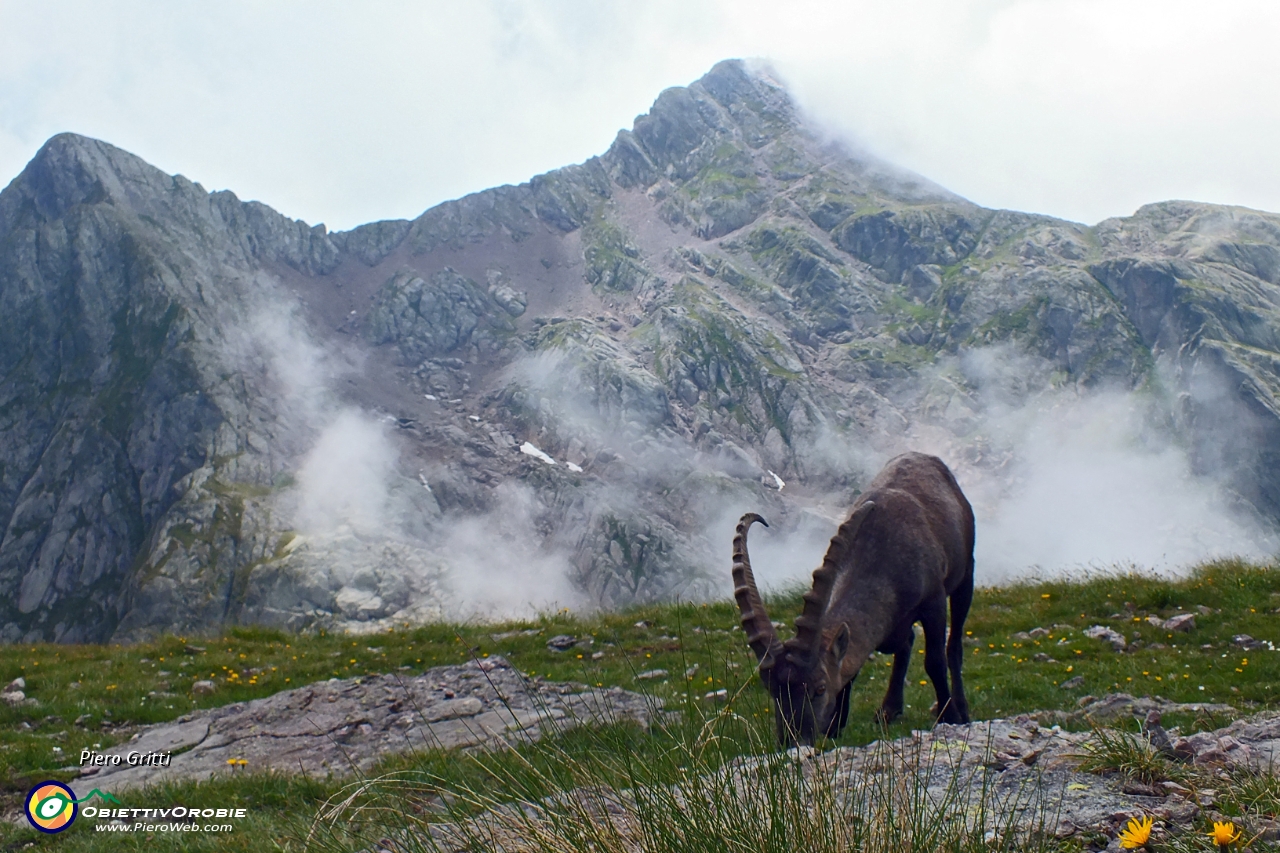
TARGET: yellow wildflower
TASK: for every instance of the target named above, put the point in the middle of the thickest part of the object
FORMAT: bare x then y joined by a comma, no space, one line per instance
1224,833
1136,834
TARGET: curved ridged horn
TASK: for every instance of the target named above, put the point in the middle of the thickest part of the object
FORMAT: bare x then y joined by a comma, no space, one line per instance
803,647
755,620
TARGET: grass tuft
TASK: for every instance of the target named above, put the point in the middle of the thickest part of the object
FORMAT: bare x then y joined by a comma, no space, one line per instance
1131,755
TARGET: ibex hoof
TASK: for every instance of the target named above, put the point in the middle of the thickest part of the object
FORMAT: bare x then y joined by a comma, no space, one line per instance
951,715
885,716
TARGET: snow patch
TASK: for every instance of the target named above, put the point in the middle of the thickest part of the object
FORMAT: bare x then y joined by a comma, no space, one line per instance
529,450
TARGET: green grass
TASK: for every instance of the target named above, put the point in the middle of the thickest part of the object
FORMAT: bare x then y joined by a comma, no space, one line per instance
99,694
925,315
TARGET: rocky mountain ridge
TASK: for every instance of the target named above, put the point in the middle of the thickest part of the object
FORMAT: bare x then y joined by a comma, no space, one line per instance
211,414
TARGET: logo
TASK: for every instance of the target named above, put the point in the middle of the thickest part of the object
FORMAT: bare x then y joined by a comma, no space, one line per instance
52,806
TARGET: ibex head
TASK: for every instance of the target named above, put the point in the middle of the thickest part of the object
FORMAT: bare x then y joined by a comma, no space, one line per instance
807,676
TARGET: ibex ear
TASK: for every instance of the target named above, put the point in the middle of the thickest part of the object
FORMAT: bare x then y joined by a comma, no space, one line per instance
840,644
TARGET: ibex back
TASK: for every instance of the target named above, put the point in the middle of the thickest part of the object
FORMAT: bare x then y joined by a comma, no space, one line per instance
906,547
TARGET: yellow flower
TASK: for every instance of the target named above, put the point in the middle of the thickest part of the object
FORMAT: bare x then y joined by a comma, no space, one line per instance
1224,833
1137,834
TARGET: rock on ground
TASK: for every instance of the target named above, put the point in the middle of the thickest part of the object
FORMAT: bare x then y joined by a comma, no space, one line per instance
346,726
1001,777
1119,706
1018,774
1004,773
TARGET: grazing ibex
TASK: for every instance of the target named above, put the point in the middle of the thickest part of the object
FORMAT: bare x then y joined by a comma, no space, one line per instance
906,546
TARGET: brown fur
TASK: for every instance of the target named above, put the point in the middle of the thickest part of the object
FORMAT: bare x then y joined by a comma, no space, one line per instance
906,548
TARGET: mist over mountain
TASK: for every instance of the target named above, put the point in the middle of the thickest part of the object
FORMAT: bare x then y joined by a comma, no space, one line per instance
563,393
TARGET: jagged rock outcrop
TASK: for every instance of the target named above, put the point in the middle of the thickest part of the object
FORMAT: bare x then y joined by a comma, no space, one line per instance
438,317
213,414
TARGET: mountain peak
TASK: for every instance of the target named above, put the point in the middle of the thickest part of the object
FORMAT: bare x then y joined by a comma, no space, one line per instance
578,377
687,126
71,169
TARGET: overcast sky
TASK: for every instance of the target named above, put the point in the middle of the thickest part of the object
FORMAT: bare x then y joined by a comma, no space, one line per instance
348,112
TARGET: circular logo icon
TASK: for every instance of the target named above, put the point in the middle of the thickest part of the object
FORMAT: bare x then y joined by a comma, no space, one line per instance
51,806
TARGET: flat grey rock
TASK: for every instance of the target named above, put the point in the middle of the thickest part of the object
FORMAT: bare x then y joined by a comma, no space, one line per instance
340,727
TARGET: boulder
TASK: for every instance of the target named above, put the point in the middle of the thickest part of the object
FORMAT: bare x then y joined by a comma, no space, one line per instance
347,726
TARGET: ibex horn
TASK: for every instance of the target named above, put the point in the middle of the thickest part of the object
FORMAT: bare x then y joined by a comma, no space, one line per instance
755,620
802,648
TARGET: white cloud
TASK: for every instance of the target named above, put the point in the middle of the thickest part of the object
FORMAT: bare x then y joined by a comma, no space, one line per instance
343,481
346,113
1091,483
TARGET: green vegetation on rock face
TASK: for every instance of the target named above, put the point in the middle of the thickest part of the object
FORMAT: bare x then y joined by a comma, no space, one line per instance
1027,323
733,363
725,194
789,162
893,242
612,261
828,201
769,296
816,278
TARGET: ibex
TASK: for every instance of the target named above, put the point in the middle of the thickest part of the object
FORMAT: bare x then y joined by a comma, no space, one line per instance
906,546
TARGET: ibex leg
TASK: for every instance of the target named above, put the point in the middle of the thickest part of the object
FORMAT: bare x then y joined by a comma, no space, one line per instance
899,643
934,620
960,601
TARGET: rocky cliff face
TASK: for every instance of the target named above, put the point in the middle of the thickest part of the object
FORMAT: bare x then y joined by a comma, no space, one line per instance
212,414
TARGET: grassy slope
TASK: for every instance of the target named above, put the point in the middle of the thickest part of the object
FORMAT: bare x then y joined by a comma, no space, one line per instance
111,689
